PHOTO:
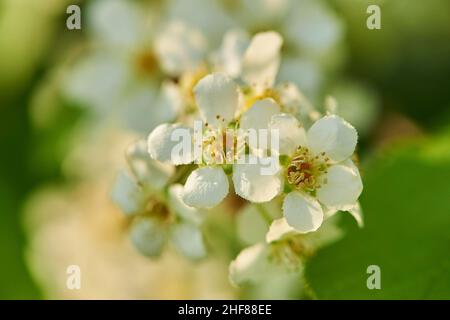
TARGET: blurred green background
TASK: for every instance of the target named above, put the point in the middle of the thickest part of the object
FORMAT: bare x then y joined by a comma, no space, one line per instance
406,157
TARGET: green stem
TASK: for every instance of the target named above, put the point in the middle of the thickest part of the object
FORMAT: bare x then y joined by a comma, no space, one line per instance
181,174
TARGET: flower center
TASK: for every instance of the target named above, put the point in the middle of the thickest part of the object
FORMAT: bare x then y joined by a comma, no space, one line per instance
222,146
251,98
288,253
158,209
305,171
146,62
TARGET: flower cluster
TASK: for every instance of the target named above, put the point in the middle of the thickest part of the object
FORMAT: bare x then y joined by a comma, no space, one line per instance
241,134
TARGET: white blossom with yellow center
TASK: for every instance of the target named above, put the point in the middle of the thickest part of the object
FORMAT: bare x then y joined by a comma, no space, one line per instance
218,99
156,217
318,174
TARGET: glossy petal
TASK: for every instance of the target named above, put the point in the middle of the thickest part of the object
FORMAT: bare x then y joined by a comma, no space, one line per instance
262,59
302,212
291,134
187,213
334,136
205,187
343,186
259,115
217,98
171,143
257,181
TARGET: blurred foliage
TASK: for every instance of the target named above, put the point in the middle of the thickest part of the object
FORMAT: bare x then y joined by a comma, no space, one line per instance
15,182
407,59
407,221
28,34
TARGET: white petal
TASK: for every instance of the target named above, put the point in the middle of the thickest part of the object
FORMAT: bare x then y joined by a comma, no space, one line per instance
330,232
188,239
257,181
144,107
213,22
180,48
116,22
127,194
343,186
252,265
291,134
184,211
205,187
334,136
148,236
278,230
262,59
302,212
234,44
96,81
170,98
306,74
148,172
259,115
293,100
313,27
217,98
137,111
171,143
257,14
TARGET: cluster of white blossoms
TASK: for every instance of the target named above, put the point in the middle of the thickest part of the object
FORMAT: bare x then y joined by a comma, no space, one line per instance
301,160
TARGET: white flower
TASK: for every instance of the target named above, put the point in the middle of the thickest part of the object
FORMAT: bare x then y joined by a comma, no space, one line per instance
214,19
217,98
180,48
281,253
120,77
312,31
156,217
145,178
318,174
151,232
256,62
309,26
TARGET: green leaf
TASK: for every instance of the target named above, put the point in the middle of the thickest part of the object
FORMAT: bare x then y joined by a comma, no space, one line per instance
406,207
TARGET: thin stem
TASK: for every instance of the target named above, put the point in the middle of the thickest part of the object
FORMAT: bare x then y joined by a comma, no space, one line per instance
180,175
